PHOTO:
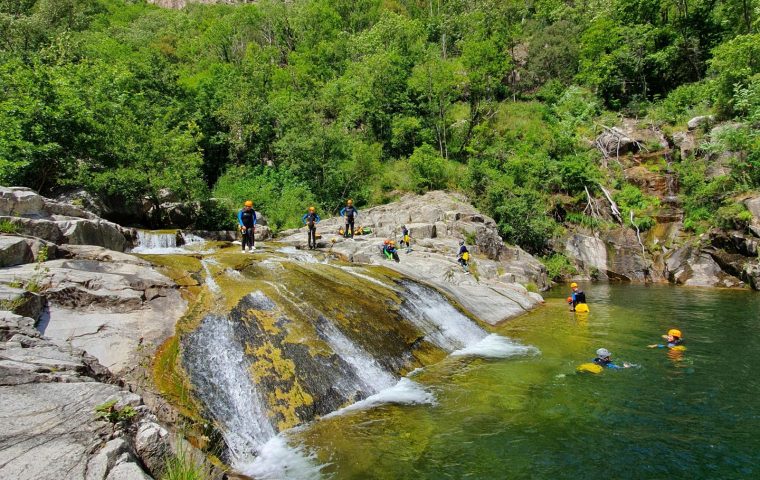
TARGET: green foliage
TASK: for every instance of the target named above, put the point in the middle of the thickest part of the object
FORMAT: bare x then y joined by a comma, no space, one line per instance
110,413
429,170
35,283
6,226
558,267
631,199
182,466
275,192
313,102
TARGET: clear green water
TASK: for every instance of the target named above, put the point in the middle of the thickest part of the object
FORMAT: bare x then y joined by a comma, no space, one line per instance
695,415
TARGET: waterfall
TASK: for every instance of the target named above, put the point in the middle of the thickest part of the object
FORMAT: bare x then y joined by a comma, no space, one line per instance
442,324
210,282
218,366
149,242
373,377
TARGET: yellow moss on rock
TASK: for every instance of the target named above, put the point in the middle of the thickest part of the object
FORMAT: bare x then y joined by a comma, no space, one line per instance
285,403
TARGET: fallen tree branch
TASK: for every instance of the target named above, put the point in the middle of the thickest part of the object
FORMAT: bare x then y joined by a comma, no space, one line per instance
638,236
613,206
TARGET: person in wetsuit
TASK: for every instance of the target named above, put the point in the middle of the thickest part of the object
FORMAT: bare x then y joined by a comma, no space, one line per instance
405,239
576,297
389,250
311,219
350,212
604,359
674,340
247,221
463,257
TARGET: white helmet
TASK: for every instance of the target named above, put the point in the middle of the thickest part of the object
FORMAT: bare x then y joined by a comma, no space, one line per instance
603,353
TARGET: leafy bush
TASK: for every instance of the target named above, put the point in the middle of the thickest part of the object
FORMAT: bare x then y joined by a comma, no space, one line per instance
558,267
181,466
430,171
275,193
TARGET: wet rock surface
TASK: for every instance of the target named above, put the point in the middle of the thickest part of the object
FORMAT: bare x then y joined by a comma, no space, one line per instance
438,221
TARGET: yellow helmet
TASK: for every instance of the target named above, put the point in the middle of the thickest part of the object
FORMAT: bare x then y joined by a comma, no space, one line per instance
573,285
393,242
674,332
350,202
248,203
312,209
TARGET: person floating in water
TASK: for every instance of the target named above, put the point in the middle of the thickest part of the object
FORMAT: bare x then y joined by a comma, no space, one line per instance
311,219
577,299
604,359
247,221
463,257
350,212
405,239
674,338
389,250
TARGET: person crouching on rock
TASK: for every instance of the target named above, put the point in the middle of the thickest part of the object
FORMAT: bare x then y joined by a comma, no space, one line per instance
577,297
463,257
350,212
247,221
389,250
406,240
311,219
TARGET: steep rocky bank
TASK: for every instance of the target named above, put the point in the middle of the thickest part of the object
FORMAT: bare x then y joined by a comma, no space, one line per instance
668,251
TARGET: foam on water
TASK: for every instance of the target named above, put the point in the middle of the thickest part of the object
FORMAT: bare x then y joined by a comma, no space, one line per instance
405,392
496,346
278,460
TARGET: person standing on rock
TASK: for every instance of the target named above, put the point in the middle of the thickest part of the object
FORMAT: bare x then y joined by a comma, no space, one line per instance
463,257
405,239
350,212
311,219
247,221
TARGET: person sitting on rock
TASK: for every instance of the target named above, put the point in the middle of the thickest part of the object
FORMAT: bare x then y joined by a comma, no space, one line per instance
247,221
311,219
577,297
463,257
350,212
674,338
389,250
406,240
604,359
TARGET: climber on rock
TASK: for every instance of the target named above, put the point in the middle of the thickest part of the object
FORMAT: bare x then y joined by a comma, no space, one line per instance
247,223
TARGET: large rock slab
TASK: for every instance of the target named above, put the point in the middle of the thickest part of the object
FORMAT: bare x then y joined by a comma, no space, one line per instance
14,251
438,221
49,394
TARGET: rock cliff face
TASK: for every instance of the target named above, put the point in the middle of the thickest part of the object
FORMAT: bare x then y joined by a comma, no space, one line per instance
665,253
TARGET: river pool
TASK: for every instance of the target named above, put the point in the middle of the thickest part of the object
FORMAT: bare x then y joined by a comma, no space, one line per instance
692,414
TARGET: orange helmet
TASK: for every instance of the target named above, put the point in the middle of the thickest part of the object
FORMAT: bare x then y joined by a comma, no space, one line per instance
312,209
386,242
674,332
393,243
248,203
350,202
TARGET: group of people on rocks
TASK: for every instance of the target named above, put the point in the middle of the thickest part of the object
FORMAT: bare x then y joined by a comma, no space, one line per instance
247,224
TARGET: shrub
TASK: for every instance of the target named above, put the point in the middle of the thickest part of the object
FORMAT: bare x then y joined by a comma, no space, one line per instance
108,412
6,226
430,171
558,266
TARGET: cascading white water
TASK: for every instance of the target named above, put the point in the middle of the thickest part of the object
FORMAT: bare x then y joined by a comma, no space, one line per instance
373,377
158,243
210,282
219,368
442,324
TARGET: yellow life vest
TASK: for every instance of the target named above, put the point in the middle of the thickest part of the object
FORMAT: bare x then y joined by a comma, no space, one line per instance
581,308
466,256
589,368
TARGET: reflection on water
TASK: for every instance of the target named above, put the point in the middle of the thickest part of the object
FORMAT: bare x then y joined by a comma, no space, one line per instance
691,413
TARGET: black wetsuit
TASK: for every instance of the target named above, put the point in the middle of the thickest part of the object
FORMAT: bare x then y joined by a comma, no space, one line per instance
578,297
247,219
350,212
311,220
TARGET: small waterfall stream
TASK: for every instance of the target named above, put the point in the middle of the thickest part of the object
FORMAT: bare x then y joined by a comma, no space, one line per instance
149,242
